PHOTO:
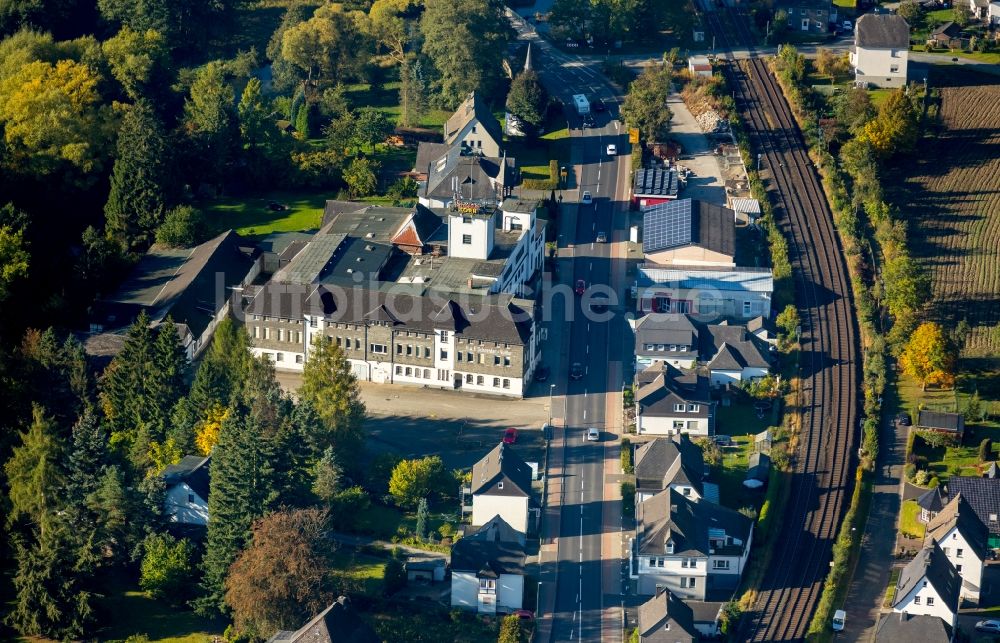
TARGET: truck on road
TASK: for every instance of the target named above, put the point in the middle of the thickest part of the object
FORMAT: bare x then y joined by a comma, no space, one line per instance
581,104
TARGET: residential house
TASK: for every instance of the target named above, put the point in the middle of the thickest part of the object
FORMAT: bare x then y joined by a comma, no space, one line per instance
689,232
187,485
693,549
895,627
455,178
979,9
951,424
813,16
336,624
993,14
474,129
672,463
667,619
963,539
948,35
670,401
983,495
487,569
652,186
931,502
733,354
928,585
881,50
194,286
501,486
763,328
669,338
710,293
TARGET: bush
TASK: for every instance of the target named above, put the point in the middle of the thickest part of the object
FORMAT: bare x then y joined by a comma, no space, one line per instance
167,567
182,227
921,478
395,575
628,498
985,450
404,188
626,456
446,530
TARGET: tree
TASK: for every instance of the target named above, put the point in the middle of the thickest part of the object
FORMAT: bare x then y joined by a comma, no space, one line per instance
167,567
853,108
136,58
207,432
182,227
788,320
283,578
528,100
332,390
412,91
372,126
244,486
361,177
341,133
393,574
33,472
53,115
960,15
389,23
415,479
51,597
896,127
327,476
421,528
330,44
465,40
122,516
928,356
14,256
912,12
184,23
139,179
645,107
265,148
986,450
510,629
209,121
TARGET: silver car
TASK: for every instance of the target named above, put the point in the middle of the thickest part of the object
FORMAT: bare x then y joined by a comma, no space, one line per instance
593,435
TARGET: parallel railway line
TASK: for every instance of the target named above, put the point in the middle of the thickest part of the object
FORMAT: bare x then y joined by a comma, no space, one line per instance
829,359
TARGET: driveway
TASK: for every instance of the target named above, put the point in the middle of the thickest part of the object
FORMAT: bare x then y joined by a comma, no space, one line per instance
706,183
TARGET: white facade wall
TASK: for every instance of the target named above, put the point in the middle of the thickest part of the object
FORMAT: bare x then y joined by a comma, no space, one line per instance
645,360
289,361
880,67
515,388
477,230
474,138
968,566
669,575
721,378
508,598
510,592
647,425
185,506
939,608
513,509
464,590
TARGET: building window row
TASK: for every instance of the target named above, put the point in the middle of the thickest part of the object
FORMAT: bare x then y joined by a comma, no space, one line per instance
410,371
686,408
482,358
673,348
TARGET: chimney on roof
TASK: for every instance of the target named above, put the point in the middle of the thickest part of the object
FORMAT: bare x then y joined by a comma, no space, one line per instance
660,589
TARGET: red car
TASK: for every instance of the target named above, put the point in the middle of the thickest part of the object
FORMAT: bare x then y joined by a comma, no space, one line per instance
524,615
581,286
510,436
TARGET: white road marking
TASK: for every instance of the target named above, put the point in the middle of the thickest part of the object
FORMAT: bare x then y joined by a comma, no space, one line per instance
584,414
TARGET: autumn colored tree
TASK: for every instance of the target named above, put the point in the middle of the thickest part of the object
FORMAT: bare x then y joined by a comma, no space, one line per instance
284,577
510,629
415,479
929,357
207,433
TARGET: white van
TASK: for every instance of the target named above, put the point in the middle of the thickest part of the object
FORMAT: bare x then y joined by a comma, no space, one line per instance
839,618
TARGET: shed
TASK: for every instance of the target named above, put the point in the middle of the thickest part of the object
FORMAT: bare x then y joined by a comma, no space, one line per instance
942,422
700,66
758,470
426,570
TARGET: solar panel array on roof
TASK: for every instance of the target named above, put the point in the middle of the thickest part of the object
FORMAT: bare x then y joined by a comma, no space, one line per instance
666,225
655,182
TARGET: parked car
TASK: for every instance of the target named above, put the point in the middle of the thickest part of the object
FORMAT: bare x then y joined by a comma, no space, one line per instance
903,419
587,198
593,435
839,618
989,625
580,287
612,149
274,206
510,435
524,615
542,374
724,441
602,237
576,371
599,106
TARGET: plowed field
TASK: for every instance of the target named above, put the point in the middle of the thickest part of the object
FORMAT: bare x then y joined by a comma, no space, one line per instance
953,207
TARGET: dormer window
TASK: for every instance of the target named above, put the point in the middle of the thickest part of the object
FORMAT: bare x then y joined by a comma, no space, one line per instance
679,408
670,547
500,485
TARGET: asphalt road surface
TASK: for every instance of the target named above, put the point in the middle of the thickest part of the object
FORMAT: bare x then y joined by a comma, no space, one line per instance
594,343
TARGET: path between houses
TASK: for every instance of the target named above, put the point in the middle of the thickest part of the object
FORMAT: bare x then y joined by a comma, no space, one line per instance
355,540
871,573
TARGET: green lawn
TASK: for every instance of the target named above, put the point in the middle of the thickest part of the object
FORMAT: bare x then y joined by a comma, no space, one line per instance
533,156
379,521
908,520
890,591
365,573
991,57
250,216
135,613
879,96
740,419
386,99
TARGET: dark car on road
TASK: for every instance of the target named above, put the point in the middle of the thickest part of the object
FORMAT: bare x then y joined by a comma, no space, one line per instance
903,419
580,287
542,374
576,371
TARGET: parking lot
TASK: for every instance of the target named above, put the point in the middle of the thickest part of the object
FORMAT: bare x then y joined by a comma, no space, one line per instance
706,183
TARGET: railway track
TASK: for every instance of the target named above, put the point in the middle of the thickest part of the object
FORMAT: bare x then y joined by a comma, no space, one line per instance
830,374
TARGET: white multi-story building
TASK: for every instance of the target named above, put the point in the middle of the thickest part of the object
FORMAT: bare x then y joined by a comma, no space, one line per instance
487,569
693,549
671,402
501,486
928,585
881,50
963,539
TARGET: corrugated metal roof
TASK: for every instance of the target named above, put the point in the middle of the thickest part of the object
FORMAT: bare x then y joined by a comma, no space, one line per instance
746,279
746,204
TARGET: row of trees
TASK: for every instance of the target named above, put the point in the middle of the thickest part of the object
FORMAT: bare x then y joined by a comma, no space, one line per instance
609,21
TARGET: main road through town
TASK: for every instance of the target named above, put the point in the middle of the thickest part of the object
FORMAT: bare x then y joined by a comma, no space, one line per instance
584,599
